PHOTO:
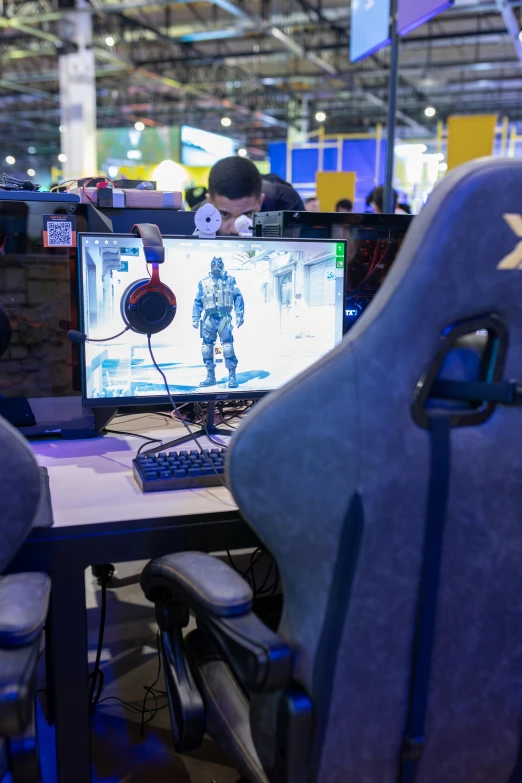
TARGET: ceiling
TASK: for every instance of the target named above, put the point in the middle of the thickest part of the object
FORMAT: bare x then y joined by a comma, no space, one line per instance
266,64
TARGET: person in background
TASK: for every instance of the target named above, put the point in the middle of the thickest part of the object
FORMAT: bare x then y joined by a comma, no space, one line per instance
312,204
376,201
344,205
235,188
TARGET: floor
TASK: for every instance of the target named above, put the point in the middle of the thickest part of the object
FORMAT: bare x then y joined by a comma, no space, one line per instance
129,663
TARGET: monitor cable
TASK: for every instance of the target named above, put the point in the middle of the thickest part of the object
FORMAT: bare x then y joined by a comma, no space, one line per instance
175,408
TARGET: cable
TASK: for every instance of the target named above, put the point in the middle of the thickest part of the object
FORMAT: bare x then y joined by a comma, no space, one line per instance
149,689
176,409
96,676
106,339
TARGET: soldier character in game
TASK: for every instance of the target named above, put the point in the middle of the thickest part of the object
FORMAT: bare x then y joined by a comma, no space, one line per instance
217,297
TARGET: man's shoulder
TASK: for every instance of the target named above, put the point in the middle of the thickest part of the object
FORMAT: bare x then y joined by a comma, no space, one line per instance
281,196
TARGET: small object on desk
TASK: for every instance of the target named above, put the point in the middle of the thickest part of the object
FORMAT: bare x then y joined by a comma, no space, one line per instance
179,470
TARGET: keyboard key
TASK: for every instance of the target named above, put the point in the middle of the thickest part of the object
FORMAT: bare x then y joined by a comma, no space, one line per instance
165,474
193,472
180,474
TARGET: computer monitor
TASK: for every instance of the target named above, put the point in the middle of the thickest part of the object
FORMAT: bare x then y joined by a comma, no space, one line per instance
288,293
373,244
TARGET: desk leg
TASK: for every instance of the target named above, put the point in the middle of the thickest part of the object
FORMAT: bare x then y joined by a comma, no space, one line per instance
67,627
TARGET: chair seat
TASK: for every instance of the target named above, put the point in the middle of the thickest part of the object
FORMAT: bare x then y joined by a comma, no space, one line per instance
227,707
24,602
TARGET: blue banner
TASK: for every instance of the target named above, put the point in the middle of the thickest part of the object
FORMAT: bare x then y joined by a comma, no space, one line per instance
370,27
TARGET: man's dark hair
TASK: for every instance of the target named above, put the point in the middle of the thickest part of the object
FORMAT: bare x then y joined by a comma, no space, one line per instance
312,198
344,203
235,178
377,197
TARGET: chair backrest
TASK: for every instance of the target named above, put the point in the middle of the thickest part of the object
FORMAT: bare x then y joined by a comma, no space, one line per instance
340,499
19,491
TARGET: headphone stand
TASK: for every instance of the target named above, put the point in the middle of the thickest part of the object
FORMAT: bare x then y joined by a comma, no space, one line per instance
209,428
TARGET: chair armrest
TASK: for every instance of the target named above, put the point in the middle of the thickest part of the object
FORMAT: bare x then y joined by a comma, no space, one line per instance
24,603
221,600
200,581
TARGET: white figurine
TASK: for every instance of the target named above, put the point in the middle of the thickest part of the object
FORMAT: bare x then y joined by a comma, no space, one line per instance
244,226
208,221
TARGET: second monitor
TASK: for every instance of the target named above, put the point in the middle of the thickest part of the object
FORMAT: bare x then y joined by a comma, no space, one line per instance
251,315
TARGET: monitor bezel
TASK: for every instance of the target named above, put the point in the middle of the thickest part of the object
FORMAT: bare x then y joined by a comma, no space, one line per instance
180,399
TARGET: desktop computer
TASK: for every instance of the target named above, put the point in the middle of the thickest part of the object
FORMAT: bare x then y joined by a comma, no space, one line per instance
250,315
373,244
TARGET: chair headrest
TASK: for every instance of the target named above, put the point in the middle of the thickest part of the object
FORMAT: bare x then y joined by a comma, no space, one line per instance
19,490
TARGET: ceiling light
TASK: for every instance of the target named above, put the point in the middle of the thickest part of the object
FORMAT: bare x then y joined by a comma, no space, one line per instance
429,111
31,172
10,160
242,152
31,150
112,171
443,166
62,128
520,36
110,40
226,122
320,116
140,126
62,158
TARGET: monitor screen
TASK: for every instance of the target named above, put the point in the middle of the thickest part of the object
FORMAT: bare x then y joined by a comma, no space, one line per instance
201,148
374,242
266,311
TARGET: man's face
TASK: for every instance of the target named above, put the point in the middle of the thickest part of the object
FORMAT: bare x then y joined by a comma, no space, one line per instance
217,268
231,210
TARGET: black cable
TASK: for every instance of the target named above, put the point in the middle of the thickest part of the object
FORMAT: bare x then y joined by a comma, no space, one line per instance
107,339
175,408
96,676
149,689
207,433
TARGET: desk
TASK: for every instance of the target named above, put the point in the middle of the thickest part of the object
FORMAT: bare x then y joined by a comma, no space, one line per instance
100,516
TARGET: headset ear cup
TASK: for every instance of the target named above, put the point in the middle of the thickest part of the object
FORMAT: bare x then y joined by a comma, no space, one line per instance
151,311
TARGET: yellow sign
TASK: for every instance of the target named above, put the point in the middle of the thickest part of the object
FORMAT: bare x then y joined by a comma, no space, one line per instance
470,138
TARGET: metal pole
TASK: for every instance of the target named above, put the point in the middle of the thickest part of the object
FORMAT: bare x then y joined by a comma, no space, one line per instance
389,205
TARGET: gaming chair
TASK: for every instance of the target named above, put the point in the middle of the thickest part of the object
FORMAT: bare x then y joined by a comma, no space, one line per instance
24,601
395,517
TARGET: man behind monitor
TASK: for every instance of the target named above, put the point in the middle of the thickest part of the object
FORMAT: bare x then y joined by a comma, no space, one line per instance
236,188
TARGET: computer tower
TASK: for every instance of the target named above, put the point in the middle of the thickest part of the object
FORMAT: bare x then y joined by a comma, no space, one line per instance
40,380
373,244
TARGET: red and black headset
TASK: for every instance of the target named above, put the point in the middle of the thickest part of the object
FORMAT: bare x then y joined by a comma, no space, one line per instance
148,306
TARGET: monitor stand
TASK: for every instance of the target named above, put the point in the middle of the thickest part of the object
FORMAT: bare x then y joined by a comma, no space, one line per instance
209,428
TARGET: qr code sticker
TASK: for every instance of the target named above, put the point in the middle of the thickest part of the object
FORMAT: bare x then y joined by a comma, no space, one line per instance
59,233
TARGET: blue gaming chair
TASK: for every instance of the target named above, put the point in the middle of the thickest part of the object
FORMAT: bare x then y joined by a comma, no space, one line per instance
395,518
24,601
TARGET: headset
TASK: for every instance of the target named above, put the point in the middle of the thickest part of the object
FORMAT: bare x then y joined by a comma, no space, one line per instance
148,306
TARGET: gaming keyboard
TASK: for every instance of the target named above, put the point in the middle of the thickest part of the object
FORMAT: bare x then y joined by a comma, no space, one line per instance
179,470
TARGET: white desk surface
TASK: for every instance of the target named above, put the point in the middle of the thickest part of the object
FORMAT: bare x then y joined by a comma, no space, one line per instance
91,480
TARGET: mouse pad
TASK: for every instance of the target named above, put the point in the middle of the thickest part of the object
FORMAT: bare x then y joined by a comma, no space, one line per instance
44,515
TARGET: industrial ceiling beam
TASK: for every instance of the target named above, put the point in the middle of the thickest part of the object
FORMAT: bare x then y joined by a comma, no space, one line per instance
208,97
510,20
